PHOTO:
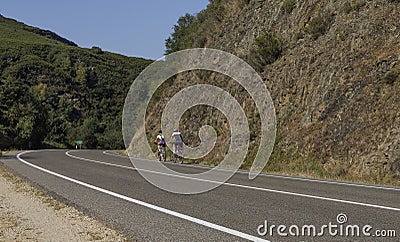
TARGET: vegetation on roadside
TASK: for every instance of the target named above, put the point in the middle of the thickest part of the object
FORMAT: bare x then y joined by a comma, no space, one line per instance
297,164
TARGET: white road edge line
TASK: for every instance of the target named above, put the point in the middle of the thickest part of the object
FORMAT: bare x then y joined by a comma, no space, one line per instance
280,176
148,205
244,186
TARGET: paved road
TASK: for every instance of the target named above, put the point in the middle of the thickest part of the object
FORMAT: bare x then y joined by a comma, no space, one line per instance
110,189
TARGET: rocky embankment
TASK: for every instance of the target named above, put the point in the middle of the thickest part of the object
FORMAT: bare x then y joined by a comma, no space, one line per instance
335,83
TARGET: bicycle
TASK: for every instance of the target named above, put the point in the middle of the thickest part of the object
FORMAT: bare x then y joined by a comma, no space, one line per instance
161,153
177,154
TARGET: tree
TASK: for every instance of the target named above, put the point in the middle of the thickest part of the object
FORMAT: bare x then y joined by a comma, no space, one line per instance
180,38
22,115
88,133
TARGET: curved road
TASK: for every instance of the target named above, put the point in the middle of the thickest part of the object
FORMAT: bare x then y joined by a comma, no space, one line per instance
107,187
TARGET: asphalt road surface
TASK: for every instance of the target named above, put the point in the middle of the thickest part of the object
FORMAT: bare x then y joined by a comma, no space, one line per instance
268,208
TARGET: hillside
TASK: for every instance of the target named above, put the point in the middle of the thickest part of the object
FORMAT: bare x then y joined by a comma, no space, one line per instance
333,70
53,93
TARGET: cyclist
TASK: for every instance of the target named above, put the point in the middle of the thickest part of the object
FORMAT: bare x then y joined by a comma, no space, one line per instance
161,144
177,142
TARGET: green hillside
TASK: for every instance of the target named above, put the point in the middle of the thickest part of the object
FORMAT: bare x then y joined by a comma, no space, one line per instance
53,93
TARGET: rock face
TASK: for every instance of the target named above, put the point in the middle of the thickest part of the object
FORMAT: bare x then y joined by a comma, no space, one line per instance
336,83
339,91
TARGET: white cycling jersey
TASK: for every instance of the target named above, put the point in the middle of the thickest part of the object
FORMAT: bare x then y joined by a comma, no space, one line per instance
160,139
177,137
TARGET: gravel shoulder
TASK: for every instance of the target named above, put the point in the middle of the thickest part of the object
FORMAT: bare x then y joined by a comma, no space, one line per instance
28,214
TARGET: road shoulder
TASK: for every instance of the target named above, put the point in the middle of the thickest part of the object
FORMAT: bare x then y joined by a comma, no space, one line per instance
27,213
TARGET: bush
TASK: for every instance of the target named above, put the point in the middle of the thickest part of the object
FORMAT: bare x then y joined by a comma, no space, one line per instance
267,49
353,6
97,50
289,5
319,24
391,77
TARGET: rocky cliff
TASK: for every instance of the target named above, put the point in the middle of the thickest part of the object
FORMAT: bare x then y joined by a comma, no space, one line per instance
333,70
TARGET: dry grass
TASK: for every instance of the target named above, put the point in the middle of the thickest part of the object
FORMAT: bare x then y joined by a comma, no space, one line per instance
22,186
310,167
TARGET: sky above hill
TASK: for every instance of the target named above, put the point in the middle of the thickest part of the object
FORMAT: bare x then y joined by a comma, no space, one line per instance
129,27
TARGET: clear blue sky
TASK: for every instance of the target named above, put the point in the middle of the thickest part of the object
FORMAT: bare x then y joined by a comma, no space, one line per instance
129,27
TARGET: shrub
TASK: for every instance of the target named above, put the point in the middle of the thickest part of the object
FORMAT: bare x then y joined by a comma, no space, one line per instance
289,5
353,6
267,49
391,77
319,24
97,50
